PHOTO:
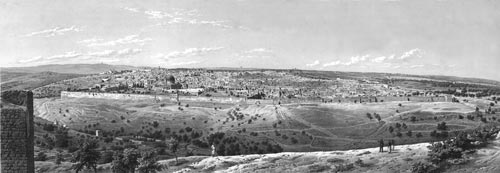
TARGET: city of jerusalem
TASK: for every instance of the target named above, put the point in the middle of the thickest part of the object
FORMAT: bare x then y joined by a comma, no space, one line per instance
123,86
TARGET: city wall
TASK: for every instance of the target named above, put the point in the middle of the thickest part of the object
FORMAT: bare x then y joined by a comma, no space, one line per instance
143,97
17,132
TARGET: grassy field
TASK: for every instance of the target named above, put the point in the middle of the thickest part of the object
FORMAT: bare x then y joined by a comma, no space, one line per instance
330,126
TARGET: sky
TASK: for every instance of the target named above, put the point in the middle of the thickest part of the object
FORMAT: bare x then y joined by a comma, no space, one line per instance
438,37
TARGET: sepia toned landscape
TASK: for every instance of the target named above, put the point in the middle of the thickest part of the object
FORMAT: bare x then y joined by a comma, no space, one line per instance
250,86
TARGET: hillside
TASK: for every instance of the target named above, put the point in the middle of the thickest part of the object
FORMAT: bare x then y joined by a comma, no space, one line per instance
30,81
68,68
363,160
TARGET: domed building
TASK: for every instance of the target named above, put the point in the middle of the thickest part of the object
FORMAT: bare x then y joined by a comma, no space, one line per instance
170,83
170,80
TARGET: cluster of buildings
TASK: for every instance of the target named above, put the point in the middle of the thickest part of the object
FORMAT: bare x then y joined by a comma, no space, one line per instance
248,84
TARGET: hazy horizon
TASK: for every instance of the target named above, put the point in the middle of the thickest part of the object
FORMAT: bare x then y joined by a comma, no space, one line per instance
430,37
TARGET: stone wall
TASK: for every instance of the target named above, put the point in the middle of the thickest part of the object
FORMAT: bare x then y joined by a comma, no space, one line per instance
17,132
144,97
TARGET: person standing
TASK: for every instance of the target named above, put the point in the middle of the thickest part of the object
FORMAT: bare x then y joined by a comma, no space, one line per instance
393,143
381,145
389,145
213,150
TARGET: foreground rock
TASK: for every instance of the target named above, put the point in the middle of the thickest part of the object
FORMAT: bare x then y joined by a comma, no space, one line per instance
363,160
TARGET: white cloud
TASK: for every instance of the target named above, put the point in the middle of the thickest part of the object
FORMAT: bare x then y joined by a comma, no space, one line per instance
106,55
135,10
382,59
256,53
65,55
333,63
417,66
258,50
113,53
183,16
131,39
356,60
90,40
182,63
37,58
315,63
54,31
189,52
414,53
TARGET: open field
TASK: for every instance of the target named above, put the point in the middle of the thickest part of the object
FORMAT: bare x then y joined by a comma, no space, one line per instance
329,126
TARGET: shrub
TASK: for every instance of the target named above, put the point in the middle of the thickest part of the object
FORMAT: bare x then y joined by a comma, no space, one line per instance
41,156
344,167
419,135
442,126
318,168
422,167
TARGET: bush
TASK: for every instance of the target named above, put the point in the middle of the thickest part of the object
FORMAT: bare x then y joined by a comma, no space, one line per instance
344,167
318,168
41,156
442,126
422,167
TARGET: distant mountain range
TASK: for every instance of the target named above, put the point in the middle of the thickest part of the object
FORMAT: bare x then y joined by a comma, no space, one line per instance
69,68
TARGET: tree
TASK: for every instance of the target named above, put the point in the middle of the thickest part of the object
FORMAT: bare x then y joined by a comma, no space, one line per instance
369,116
413,118
377,116
419,135
409,133
41,156
62,138
87,156
148,163
391,129
125,162
442,126
174,145
59,158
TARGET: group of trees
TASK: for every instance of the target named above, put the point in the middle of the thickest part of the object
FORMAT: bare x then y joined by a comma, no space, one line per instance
375,115
454,149
87,156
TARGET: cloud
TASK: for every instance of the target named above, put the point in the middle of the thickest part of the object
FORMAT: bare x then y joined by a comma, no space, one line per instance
356,60
135,10
183,16
131,39
385,61
256,53
333,63
37,58
258,50
113,53
417,66
182,63
53,32
382,59
315,63
65,55
90,40
189,52
414,53
106,55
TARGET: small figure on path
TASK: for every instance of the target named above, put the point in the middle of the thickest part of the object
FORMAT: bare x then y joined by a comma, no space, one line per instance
393,144
381,145
389,145
213,150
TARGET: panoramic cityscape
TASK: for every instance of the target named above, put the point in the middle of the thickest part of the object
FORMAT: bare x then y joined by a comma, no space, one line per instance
250,86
